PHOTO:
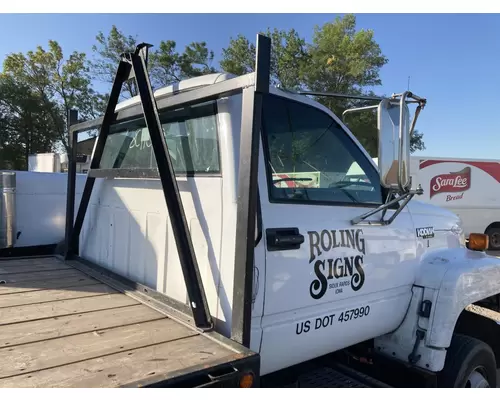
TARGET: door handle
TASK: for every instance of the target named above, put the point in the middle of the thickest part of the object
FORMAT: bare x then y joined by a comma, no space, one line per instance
279,239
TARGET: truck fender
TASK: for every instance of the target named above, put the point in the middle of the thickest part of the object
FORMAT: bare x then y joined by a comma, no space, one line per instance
448,281
467,277
407,342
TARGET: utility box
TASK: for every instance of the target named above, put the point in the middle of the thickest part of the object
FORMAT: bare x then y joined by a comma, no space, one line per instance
44,162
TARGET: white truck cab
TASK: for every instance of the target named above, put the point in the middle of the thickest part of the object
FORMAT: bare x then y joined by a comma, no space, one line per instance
340,258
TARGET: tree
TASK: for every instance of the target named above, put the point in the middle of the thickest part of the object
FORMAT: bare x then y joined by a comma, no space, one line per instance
60,84
340,59
25,124
239,57
343,60
166,64
289,57
108,51
416,142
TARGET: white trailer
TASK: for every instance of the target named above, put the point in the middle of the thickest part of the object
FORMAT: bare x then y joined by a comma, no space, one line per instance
252,281
468,187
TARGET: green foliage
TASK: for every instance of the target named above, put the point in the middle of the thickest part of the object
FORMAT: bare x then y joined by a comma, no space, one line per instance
60,84
344,60
168,66
108,51
340,59
26,126
239,57
289,57
416,142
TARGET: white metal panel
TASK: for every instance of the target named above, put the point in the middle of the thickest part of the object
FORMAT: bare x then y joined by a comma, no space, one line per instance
41,206
400,343
283,347
462,277
128,231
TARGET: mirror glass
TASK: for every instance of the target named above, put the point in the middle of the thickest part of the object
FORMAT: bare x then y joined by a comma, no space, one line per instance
393,155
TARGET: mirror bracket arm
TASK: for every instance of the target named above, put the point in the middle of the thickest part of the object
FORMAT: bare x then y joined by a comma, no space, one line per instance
405,198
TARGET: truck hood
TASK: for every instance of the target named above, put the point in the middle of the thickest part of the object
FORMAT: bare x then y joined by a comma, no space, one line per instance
441,220
419,208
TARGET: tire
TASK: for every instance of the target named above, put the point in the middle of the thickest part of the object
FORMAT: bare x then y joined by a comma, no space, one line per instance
494,238
470,363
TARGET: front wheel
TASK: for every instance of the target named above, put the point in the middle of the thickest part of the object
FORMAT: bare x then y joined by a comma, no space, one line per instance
470,363
494,238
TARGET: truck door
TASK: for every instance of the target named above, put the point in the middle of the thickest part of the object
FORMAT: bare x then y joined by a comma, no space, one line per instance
329,284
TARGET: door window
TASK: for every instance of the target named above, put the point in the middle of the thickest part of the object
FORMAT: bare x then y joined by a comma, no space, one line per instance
311,159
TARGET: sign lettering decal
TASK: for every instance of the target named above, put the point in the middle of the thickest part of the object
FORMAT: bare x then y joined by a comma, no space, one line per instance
342,272
329,319
453,182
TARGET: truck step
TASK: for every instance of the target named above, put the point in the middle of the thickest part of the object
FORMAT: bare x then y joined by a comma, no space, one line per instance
336,376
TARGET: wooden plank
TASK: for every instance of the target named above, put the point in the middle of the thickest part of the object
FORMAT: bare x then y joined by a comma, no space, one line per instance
34,331
44,296
64,307
22,269
124,367
70,349
37,276
58,283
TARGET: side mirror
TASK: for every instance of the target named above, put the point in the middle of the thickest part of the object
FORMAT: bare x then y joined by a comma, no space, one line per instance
394,144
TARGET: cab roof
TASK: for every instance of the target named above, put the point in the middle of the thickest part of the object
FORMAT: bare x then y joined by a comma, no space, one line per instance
182,86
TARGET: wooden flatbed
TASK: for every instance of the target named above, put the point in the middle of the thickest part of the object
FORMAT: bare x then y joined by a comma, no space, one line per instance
60,327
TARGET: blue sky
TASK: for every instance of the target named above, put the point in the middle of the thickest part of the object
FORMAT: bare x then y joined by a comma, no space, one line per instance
453,59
